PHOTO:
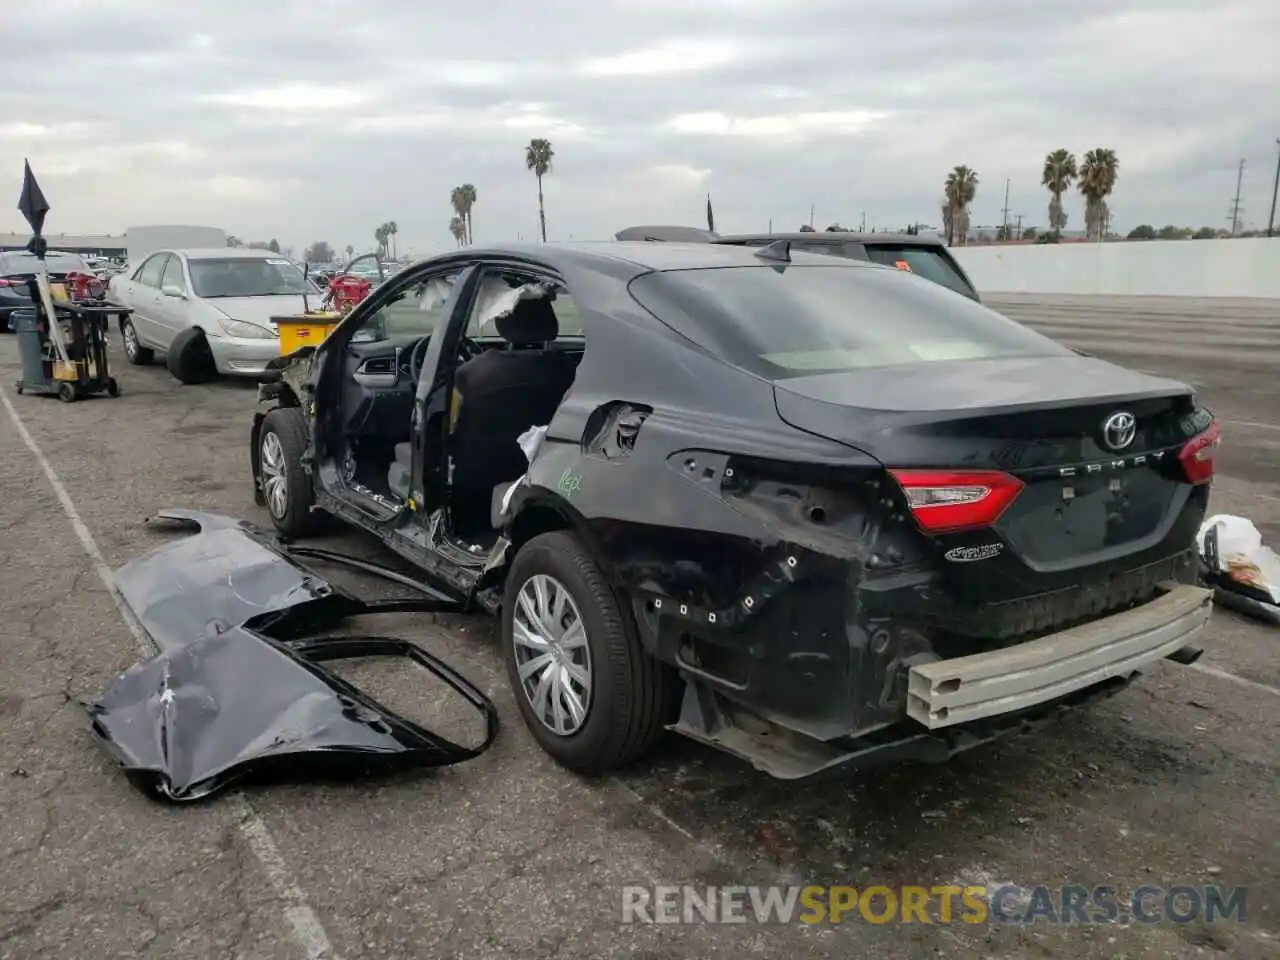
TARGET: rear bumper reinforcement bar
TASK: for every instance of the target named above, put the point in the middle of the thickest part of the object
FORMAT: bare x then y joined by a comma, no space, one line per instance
947,692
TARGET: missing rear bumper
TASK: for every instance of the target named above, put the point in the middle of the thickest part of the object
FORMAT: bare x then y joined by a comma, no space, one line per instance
949,692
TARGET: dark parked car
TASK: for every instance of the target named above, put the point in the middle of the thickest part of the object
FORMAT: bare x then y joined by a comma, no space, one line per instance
802,508
924,255
18,266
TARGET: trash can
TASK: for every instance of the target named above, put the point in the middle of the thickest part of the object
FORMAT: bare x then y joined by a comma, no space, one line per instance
26,324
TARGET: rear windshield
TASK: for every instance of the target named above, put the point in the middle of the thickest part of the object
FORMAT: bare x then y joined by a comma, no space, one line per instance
245,277
21,263
929,262
804,319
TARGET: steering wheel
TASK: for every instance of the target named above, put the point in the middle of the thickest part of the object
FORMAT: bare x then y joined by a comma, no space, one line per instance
468,349
417,357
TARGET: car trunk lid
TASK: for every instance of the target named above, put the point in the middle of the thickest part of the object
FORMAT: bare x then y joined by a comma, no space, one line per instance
1077,500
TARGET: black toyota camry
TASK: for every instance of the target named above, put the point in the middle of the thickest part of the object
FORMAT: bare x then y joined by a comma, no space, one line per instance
809,510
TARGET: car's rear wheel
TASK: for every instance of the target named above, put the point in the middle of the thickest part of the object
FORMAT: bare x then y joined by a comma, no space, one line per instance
589,693
286,487
190,359
134,351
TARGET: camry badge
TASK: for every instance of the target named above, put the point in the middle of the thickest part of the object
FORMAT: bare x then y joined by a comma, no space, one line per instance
1119,430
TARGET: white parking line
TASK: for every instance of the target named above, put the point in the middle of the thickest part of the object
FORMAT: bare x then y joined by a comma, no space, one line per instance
1232,678
1254,424
308,932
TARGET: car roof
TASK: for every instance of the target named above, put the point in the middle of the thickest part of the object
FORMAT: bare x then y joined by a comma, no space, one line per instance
835,236
666,233
48,253
643,256
226,253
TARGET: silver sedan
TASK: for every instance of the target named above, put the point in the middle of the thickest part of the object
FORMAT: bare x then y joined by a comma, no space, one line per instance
209,311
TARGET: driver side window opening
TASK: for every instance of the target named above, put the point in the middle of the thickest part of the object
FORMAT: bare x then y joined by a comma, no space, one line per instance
517,361
415,313
378,388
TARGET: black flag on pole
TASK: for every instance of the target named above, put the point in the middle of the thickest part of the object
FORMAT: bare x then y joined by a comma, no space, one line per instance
32,203
711,217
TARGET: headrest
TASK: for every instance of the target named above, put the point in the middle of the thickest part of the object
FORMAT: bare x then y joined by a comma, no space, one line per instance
532,321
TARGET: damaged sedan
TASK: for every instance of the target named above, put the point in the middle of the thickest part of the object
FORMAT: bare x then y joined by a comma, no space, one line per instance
814,512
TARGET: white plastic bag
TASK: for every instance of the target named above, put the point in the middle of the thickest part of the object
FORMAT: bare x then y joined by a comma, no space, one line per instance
530,443
1240,554
433,293
497,299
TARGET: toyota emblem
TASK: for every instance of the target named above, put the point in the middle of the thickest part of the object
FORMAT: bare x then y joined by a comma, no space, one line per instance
1119,430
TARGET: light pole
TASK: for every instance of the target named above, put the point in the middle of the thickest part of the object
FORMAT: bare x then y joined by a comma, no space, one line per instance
1271,220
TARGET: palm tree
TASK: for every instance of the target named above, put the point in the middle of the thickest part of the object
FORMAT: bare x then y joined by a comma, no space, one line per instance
350,250
380,234
459,230
459,204
960,187
1059,172
537,157
1098,176
392,230
468,201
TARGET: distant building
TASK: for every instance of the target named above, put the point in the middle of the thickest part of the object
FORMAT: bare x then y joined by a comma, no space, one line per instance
85,244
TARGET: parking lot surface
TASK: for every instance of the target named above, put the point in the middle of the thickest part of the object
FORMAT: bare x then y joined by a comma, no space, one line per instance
1171,782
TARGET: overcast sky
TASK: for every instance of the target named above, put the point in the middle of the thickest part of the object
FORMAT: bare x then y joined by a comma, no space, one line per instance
320,119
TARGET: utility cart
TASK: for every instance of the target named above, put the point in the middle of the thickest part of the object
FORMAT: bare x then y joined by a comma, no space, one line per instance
67,357
309,328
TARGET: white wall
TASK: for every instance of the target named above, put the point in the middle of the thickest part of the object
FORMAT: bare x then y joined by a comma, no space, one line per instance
1175,268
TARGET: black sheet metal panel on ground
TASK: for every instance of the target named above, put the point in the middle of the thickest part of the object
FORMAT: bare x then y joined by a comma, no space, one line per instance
239,688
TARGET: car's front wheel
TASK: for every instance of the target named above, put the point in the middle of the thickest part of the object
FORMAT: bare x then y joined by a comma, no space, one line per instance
134,351
286,487
589,693
189,357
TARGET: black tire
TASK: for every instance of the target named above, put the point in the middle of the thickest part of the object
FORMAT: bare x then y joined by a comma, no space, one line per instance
134,351
190,359
633,696
67,392
113,387
289,430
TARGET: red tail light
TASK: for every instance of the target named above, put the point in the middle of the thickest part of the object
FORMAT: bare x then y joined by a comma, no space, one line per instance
945,501
10,283
1197,456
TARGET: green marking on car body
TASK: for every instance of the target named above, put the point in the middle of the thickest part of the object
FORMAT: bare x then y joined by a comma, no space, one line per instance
570,483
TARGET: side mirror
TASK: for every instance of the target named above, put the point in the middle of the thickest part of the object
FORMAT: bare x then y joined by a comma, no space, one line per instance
170,290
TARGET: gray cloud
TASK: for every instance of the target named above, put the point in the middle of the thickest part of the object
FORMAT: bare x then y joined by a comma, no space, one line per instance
320,119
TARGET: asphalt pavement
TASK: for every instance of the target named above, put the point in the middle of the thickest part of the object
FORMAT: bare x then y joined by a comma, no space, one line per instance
1171,782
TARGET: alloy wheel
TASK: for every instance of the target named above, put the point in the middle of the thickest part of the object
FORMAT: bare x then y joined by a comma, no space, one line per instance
275,483
553,659
130,338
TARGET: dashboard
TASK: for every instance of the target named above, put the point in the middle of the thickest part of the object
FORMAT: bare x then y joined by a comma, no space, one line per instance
378,386
384,372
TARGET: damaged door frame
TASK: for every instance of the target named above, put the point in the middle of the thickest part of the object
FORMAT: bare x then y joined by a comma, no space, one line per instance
418,531
413,530
463,568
